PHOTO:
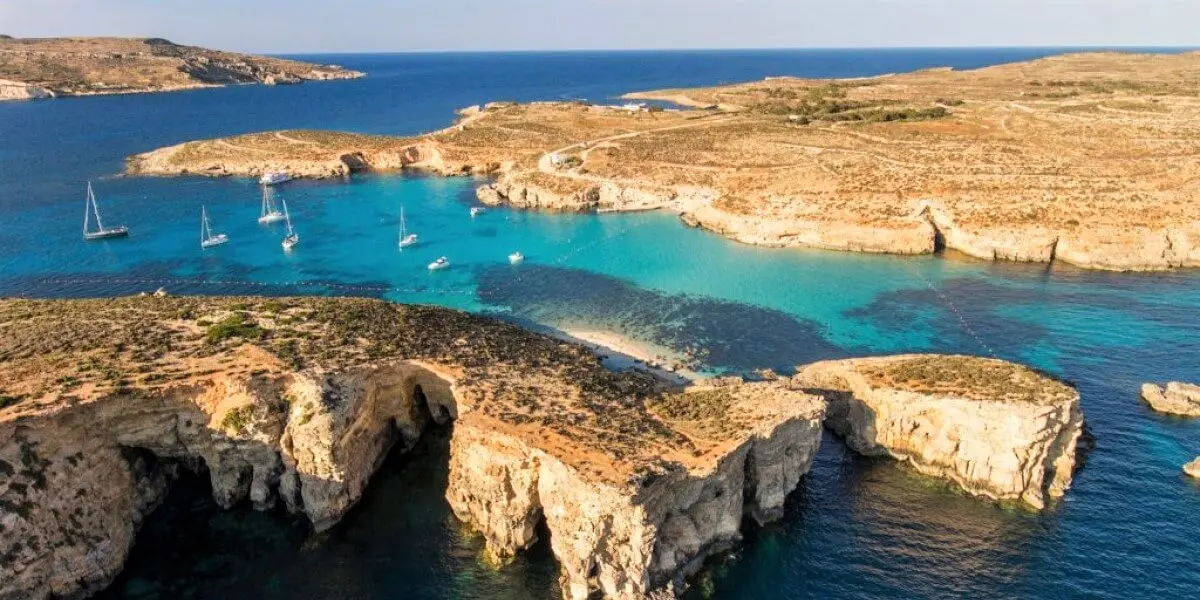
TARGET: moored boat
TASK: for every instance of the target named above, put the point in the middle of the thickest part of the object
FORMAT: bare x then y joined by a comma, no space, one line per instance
516,258
269,213
292,238
207,238
100,232
275,178
406,239
439,264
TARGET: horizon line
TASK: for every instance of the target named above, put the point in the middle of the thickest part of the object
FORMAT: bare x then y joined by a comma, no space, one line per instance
1112,47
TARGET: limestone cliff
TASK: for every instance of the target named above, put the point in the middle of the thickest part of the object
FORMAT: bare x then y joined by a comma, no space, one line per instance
626,538
1182,399
993,428
1193,468
297,401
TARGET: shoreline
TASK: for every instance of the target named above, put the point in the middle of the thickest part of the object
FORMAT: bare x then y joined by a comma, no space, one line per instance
631,354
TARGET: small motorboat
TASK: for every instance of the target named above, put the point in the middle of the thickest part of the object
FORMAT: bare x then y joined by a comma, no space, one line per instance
208,239
292,238
476,211
439,264
275,178
516,258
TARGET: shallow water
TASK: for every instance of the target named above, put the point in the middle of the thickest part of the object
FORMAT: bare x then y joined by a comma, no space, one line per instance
859,528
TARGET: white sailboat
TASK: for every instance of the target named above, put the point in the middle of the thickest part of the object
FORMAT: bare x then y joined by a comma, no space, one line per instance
101,232
406,239
207,238
292,238
516,258
476,211
270,213
439,264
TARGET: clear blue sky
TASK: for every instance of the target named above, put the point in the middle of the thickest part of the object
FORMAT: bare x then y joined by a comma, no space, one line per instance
400,25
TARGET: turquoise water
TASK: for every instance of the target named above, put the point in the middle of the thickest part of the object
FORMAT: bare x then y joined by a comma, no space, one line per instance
858,528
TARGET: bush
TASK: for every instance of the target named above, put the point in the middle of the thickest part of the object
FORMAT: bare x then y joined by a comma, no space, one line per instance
234,326
238,419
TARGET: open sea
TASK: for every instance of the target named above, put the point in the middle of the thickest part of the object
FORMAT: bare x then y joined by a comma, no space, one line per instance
856,528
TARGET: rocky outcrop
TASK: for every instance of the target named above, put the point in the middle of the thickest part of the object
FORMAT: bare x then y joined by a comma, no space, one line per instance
1182,399
995,429
637,484
1193,468
17,90
624,539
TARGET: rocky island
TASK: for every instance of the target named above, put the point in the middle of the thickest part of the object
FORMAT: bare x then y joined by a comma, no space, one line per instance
33,68
1193,468
297,401
1089,159
1180,399
996,429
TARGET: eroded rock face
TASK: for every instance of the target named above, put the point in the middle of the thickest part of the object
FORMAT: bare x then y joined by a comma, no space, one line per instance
298,400
1182,399
995,429
1193,468
625,539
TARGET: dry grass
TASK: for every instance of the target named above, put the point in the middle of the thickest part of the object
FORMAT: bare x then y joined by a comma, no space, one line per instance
969,377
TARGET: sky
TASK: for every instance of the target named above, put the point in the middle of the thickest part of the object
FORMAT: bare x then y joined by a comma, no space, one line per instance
296,26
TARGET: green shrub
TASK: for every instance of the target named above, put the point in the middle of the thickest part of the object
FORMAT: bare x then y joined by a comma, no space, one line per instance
234,326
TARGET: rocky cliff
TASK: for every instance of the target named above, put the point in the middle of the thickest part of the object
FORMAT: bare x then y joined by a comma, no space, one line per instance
1182,399
995,429
1193,468
296,402
52,67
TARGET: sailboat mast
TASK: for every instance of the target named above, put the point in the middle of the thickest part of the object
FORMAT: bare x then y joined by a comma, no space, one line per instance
203,223
95,207
87,208
287,217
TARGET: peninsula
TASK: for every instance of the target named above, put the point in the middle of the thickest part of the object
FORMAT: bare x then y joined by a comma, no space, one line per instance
295,402
32,68
1090,159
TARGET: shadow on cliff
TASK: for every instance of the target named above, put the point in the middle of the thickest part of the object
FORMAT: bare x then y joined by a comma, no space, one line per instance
401,537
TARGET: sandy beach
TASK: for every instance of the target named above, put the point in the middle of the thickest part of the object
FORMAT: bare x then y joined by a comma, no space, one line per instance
635,353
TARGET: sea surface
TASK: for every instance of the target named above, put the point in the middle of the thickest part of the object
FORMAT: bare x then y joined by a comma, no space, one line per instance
856,528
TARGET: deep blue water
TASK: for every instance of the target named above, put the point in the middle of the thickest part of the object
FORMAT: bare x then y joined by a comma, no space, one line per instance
858,528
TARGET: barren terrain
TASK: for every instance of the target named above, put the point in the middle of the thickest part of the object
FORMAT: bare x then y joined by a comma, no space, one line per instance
1092,159
49,67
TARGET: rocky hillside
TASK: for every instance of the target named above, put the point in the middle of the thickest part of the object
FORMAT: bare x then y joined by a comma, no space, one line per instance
50,67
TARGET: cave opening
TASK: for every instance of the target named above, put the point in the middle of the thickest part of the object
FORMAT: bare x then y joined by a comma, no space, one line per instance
400,540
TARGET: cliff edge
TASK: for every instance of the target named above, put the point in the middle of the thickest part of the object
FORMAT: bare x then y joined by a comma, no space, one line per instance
1181,399
995,429
295,402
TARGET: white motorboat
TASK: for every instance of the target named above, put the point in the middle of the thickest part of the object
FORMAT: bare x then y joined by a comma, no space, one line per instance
406,239
208,239
100,232
476,211
516,258
270,213
275,178
439,264
292,238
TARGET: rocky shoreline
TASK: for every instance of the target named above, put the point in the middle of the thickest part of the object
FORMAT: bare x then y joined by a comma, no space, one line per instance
851,165
295,402
42,68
